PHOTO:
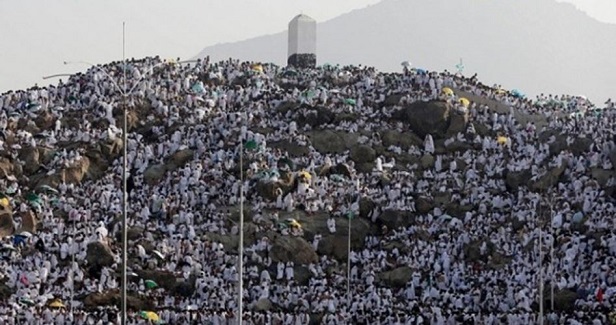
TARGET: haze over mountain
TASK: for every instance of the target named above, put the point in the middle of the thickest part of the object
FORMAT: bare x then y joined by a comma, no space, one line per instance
532,45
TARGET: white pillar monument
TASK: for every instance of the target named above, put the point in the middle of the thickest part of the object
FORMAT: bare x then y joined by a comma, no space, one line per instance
302,42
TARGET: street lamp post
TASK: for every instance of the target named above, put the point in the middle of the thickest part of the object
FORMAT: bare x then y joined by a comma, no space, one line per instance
125,94
240,305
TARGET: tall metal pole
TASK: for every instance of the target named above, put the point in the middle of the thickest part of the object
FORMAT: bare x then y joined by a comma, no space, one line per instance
240,297
349,265
552,272
73,270
540,269
124,182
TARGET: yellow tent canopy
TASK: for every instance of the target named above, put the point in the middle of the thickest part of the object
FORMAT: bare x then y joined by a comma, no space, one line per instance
57,303
447,91
465,102
502,140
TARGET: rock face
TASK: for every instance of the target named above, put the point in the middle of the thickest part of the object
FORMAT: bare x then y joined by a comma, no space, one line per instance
263,304
302,60
516,179
155,173
363,154
435,117
113,297
293,249
30,157
164,279
394,219
28,222
99,255
7,227
549,179
396,278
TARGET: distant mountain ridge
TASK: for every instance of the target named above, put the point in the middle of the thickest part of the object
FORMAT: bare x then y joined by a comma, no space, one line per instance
537,46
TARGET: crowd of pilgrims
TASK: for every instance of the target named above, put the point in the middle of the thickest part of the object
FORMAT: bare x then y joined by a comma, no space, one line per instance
213,107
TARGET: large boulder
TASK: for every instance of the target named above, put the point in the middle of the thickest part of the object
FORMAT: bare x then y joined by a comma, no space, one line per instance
426,118
7,168
263,304
424,205
315,116
363,154
292,148
99,255
515,180
164,279
549,179
396,278
394,219
28,222
179,159
402,139
7,226
113,298
111,147
267,189
327,141
427,161
338,169
457,122
335,246
293,249
30,156
154,173
602,176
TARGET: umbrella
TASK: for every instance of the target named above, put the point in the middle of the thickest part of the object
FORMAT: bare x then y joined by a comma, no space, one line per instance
251,145
32,197
150,284
7,247
465,102
4,202
149,315
447,91
57,303
421,71
25,234
336,178
257,68
26,301
34,106
305,175
286,162
406,64
47,188
350,101
293,223
577,217
158,254
516,93
502,140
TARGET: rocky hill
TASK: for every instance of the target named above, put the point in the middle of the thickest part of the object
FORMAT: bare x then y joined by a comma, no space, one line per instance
354,133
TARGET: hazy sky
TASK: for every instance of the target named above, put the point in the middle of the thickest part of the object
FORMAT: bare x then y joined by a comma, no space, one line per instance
38,35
